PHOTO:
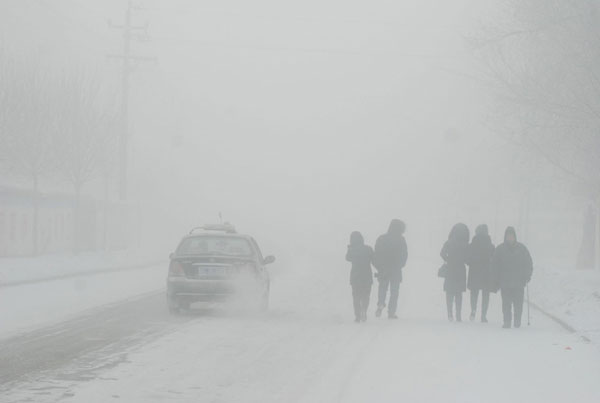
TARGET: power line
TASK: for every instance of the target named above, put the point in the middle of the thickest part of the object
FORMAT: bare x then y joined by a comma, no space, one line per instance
317,50
55,10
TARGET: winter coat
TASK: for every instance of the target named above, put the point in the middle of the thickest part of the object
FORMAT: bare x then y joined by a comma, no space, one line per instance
455,255
360,256
512,266
391,254
479,257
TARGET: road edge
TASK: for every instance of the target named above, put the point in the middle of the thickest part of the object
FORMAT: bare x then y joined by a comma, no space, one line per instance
85,273
559,321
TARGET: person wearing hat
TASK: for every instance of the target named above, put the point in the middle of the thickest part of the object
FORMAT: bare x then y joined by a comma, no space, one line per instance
512,268
391,254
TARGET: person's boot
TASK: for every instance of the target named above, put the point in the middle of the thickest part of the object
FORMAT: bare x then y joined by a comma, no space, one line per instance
506,325
517,324
357,320
364,316
392,316
378,311
450,317
472,317
484,319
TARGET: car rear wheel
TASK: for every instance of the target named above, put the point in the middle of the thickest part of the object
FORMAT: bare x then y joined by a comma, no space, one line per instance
172,305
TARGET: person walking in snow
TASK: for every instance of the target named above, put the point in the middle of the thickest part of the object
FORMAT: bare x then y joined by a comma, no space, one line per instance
361,275
480,254
455,254
512,268
391,254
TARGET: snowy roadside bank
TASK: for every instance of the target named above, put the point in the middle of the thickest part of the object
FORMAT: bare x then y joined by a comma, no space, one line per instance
20,271
31,306
572,296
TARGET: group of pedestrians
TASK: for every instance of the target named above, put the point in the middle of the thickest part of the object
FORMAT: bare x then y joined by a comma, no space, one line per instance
389,257
506,268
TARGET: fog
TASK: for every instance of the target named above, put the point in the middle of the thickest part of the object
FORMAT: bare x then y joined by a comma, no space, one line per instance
298,122
338,115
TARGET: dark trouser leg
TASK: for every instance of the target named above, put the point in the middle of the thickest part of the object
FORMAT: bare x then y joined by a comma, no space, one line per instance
507,301
485,303
366,297
384,283
458,301
356,299
394,291
449,301
474,296
518,296
364,300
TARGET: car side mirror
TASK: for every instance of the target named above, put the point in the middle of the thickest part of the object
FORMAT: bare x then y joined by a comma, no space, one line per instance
269,260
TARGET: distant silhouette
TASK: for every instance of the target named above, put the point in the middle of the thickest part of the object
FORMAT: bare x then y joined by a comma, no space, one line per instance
512,268
361,275
391,254
479,257
455,253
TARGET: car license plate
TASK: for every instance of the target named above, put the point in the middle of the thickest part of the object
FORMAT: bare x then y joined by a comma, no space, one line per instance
213,271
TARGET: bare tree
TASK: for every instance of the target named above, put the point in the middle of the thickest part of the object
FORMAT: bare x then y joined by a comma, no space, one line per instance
85,140
543,63
542,59
54,123
27,122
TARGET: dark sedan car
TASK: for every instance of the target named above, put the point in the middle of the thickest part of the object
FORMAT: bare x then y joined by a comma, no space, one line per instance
215,264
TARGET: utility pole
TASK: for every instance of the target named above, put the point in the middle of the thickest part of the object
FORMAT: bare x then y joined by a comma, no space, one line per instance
129,62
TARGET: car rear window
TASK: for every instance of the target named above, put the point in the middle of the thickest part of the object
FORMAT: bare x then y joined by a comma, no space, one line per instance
215,245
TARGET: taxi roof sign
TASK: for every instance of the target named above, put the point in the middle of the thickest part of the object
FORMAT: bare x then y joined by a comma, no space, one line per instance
226,227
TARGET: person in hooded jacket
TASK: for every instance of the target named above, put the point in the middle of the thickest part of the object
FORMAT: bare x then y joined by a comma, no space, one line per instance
455,254
480,255
391,254
361,275
512,268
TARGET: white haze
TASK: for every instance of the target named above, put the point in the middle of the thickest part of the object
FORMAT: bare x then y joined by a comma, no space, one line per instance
301,122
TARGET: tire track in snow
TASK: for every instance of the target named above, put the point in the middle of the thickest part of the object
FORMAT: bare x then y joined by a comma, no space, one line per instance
27,356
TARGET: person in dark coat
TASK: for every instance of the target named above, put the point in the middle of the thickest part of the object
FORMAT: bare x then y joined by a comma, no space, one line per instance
361,275
480,255
455,254
391,254
512,268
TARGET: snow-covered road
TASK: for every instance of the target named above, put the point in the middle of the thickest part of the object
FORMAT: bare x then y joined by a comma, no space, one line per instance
307,349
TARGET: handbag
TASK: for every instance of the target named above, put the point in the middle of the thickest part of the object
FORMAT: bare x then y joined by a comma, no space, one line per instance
443,270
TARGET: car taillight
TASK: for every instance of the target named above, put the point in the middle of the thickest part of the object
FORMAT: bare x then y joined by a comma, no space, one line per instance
176,269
